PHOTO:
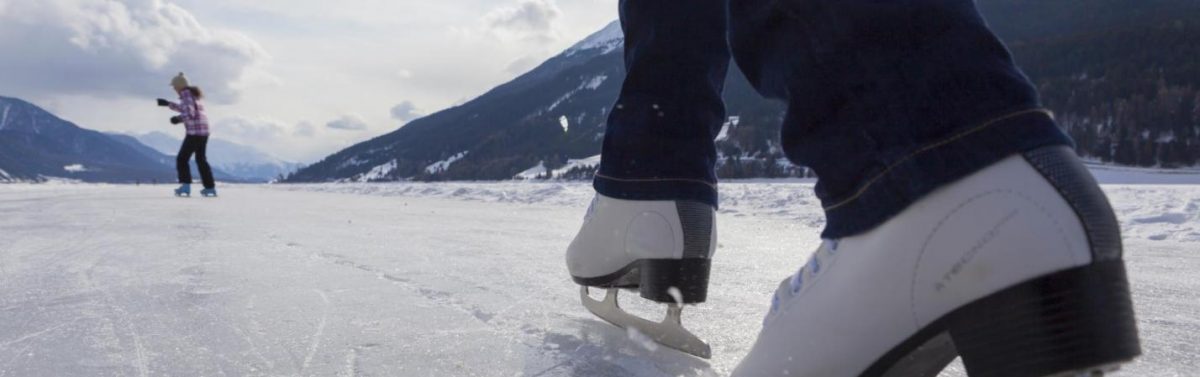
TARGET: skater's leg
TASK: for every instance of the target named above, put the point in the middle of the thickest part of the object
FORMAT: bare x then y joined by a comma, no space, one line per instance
652,223
206,175
959,221
887,100
659,140
182,166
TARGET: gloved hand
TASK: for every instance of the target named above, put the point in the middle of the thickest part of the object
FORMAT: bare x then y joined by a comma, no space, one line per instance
163,102
176,119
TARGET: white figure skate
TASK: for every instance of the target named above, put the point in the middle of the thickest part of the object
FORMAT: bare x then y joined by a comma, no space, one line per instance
1016,269
661,248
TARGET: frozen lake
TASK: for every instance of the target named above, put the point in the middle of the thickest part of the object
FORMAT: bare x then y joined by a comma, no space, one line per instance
432,280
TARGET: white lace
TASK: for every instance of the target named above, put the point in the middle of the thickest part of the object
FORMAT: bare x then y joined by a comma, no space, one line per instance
813,267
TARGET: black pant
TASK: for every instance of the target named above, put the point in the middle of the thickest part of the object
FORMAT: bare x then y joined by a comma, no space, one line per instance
198,145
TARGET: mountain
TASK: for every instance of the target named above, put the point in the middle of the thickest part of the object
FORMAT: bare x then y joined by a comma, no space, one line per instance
502,132
1122,76
36,146
153,154
168,159
243,162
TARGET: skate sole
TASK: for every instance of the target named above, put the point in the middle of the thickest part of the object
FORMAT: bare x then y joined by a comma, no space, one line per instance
1077,322
682,281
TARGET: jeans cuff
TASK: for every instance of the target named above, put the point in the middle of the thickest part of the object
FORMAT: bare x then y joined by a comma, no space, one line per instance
656,189
930,167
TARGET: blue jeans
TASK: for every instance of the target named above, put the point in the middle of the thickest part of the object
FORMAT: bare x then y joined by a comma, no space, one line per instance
887,100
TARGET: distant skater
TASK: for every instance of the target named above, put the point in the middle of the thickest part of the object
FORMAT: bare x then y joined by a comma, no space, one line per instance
191,114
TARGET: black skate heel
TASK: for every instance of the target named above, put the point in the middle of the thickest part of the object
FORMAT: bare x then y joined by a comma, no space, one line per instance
689,276
1079,320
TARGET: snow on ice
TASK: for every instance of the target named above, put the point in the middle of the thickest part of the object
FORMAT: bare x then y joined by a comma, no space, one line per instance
434,279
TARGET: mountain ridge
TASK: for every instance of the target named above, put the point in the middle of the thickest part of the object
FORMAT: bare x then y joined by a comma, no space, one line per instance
237,160
1116,72
36,145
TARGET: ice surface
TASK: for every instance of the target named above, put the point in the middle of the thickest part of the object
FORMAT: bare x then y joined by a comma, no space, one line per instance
430,279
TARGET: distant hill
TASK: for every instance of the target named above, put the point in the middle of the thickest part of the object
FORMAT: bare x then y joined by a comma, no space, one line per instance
1122,76
241,161
36,146
168,159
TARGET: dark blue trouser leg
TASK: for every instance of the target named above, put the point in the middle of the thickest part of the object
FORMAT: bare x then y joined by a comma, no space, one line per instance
659,141
887,100
183,158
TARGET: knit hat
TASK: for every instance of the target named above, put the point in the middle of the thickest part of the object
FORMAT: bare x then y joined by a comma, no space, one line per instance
180,81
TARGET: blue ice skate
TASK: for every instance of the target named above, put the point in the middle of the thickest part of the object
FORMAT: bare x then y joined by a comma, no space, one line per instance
184,190
209,192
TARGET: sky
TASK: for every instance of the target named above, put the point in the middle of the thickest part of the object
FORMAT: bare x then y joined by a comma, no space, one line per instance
299,79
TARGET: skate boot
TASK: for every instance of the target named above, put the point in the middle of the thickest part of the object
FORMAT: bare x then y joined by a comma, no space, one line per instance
184,190
209,192
1016,269
660,248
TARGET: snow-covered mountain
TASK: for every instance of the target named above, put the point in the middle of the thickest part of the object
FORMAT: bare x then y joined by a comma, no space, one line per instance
241,161
1148,113
548,120
36,145
552,113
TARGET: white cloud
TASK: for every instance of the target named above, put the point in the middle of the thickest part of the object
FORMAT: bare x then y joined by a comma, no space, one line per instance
251,131
326,59
348,123
405,112
117,48
528,19
524,64
305,129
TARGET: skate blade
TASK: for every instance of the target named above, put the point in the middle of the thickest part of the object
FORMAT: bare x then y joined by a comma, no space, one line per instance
669,332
